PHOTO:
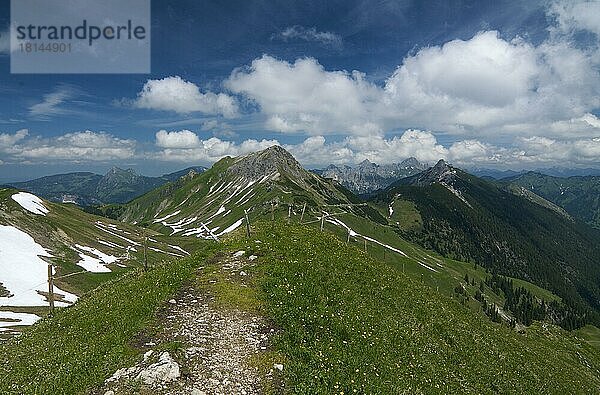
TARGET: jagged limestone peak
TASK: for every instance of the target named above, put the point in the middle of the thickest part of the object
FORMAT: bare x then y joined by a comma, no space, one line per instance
272,160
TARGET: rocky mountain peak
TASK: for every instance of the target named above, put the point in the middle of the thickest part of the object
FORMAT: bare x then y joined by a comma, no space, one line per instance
275,153
366,164
441,165
367,176
411,162
442,172
272,160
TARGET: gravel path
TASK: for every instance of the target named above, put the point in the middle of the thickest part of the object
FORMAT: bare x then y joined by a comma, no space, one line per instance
199,349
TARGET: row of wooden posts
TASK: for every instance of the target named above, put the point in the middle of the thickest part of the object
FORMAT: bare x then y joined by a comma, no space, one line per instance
51,277
289,216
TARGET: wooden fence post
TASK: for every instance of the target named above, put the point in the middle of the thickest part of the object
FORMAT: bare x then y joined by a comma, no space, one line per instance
247,223
303,209
272,211
51,288
145,251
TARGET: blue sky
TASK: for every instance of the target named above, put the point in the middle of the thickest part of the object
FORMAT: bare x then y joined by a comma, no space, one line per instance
502,84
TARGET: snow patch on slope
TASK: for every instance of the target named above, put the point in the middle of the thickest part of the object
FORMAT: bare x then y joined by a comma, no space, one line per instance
354,234
106,258
30,203
110,228
91,264
178,249
22,271
17,319
232,227
166,217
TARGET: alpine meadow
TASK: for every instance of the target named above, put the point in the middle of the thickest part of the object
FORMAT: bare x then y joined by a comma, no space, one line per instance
338,197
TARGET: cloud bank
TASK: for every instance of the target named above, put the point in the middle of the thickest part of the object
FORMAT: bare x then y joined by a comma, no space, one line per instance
525,152
83,146
188,147
484,85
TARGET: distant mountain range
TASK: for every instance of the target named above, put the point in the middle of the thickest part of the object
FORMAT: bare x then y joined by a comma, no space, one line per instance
367,177
578,195
84,188
551,171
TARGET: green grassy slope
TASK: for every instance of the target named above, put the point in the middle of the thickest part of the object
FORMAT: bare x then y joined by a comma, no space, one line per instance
509,235
441,273
82,345
591,334
351,323
346,323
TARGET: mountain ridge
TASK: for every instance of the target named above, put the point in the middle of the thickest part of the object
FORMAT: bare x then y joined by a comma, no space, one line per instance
87,188
214,202
471,219
367,177
578,195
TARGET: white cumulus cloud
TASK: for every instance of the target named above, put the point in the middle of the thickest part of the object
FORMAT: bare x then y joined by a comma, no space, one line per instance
8,140
186,146
317,151
181,139
483,85
303,96
184,97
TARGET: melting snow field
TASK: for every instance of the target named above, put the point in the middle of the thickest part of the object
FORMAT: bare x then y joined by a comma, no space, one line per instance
91,264
103,257
166,217
15,319
354,234
232,227
179,249
30,203
22,272
107,228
